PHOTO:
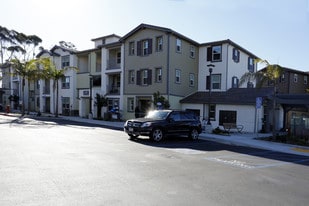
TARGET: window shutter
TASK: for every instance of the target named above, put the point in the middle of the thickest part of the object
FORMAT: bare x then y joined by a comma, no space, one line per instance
149,46
209,54
149,77
138,77
207,82
139,48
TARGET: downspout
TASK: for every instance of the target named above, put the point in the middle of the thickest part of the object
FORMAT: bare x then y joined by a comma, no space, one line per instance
168,67
227,66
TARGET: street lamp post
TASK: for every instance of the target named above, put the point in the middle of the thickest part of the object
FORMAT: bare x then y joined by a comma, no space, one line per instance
210,66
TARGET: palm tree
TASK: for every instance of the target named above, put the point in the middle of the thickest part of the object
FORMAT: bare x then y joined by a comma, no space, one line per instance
26,70
100,101
271,73
51,72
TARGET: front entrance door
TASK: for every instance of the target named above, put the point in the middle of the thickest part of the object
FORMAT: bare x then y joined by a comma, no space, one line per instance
144,104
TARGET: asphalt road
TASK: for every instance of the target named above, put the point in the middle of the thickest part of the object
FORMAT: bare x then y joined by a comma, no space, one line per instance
56,162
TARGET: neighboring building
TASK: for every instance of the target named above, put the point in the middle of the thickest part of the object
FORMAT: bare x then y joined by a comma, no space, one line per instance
157,59
89,80
293,100
227,62
44,94
100,72
6,91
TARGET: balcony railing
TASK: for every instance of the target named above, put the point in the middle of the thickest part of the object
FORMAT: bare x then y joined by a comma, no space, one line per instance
46,90
113,90
112,65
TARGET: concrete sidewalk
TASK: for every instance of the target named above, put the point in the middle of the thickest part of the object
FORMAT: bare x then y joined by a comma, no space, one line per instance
244,139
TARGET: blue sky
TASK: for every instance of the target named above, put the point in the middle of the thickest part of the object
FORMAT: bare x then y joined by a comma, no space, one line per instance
275,30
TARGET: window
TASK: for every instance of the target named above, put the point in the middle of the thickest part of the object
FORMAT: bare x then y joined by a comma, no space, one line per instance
178,45
250,64
305,79
214,53
118,57
132,48
215,81
295,78
191,80
236,55
192,51
65,104
227,117
235,82
282,78
159,43
65,83
158,75
130,104
212,112
38,82
96,81
177,75
144,47
143,77
113,104
131,76
65,61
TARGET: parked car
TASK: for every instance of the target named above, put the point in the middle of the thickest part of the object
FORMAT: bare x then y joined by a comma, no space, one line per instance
159,123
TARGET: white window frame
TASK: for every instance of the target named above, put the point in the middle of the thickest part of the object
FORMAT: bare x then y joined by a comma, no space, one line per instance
158,74
159,43
192,51
131,48
65,82
145,77
130,104
191,80
177,76
214,53
295,78
65,61
305,79
131,76
145,47
178,45
216,80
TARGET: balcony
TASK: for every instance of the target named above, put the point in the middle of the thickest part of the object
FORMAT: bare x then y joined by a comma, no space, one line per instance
46,90
113,64
113,90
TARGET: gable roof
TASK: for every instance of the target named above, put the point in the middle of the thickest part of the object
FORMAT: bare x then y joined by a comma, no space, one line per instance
104,37
163,29
286,69
45,51
228,41
236,96
71,51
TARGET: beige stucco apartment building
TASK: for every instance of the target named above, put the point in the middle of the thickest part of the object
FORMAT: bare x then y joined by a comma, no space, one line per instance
161,60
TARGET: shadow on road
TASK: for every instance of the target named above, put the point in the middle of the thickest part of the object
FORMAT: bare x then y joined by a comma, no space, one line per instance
176,142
